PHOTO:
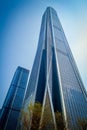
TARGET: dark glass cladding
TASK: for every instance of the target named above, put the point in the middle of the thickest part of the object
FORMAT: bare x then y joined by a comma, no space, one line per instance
10,96
14,100
42,79
12,120
55,89
18,99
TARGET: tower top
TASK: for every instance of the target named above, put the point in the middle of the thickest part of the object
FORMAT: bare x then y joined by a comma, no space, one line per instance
49,7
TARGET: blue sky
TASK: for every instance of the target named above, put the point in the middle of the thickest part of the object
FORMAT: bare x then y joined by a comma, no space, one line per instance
20,22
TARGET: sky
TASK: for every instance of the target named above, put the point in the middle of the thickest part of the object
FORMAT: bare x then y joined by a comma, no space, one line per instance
20,22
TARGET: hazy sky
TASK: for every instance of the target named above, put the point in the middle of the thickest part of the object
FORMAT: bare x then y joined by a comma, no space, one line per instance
20,22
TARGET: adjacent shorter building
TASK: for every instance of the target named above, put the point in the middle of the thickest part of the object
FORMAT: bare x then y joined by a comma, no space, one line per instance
0,113
14,100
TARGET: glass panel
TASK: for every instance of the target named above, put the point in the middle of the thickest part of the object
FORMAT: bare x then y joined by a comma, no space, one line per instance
12,120
23,80
18,99
73,95
60,45
10,96
58,34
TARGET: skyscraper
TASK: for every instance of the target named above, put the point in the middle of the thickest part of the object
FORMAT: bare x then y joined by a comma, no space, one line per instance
14,99
55,79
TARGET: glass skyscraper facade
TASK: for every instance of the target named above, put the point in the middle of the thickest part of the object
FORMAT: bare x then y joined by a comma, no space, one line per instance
14,100
55,78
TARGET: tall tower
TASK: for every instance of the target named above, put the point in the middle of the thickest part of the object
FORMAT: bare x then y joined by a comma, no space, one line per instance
14,99
55,79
